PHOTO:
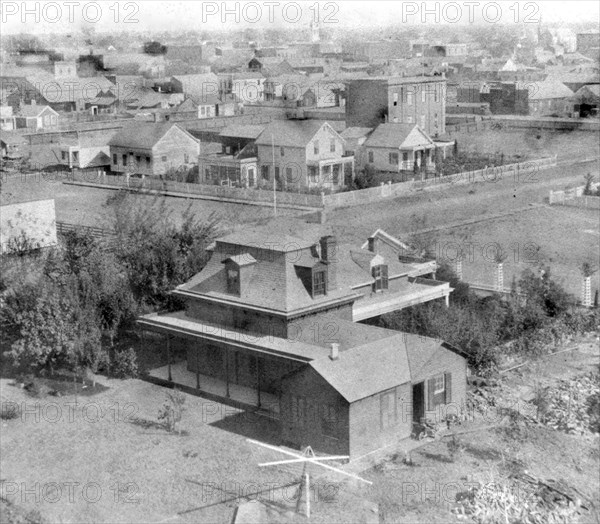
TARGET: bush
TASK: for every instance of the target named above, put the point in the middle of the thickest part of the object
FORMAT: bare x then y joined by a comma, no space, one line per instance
172,410
125,364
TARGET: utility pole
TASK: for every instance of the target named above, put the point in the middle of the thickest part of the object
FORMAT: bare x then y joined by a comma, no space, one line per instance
274,183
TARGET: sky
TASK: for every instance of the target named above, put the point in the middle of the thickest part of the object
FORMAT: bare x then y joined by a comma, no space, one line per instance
155,15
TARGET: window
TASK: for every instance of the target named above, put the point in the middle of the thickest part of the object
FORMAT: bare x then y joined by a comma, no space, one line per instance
380,276
233,280
147,161
202,111
316,147
409,97
395,99
138,159
439,390
75,156
319,283
124,160
281,151
393,158
405,157
298,410
423,95
329,420
276,172
371,157
264,172
164,158
439,384
63,155
332,145
289,174
313,175
115,159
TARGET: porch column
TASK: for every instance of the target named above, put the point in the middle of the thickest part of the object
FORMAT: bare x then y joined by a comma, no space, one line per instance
197,367
258,361
227,372
170,377
447,297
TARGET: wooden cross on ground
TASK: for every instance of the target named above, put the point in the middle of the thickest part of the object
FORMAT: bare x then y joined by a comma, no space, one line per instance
306,457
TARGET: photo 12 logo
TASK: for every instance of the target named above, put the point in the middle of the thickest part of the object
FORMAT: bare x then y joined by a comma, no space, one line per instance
471,12
69,12
260,12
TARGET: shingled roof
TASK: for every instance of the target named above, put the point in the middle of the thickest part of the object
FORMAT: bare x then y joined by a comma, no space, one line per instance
398,135
142,136
291,133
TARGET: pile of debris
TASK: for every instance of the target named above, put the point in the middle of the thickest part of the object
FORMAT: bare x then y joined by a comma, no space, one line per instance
572,406
520,499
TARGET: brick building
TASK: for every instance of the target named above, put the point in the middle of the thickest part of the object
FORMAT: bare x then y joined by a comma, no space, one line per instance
271,323
402,100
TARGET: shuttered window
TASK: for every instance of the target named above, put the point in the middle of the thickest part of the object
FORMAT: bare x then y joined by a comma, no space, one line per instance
439,390
380,276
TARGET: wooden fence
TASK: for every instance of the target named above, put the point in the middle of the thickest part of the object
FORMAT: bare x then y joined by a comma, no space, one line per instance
575,197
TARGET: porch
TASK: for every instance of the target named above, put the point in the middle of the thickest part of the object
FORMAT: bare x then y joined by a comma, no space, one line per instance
414,291
331,173
229,170
423,156
178,374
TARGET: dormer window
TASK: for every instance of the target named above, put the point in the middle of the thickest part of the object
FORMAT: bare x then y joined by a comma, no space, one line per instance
380,276
233,280
319,283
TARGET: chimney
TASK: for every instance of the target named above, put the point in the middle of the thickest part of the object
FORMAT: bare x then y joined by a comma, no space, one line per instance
329,257
335,351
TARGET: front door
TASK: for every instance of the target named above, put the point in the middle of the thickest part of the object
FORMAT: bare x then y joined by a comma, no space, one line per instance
418,402
251,177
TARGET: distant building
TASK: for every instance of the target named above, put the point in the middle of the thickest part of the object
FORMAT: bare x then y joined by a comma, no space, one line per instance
7,119
152,149
12,145
588,44
550,98
34,118
402,100
587,100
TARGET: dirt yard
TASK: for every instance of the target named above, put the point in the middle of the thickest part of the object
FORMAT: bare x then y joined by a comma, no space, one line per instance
104,458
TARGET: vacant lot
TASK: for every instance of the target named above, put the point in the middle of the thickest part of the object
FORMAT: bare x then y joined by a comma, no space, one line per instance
86,205
531,143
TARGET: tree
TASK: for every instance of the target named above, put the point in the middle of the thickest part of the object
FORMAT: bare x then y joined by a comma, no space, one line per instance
154,48
589,180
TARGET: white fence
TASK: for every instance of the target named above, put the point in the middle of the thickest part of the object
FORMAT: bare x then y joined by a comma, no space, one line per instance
575,197
523,172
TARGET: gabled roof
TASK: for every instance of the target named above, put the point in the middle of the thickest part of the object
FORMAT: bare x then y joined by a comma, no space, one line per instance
355,132
398,135
143,136
242,131
33,111
368,369
292,133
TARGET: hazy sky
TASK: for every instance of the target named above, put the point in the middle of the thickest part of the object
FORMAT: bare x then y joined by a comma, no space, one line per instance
70,16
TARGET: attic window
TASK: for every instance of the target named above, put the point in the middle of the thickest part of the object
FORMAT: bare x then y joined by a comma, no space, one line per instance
380,274
319,283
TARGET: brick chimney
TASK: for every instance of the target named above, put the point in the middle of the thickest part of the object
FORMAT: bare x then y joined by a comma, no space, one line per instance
334,354
372,244
330,257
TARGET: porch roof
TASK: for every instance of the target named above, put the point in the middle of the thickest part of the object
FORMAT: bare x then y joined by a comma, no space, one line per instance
180,324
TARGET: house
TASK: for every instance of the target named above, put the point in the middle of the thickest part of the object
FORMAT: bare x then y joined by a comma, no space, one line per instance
34,117
270,66
399,147
12,145
200,85
209,106
355,138
550,98
305,154
248,87
587,100
7,119
153,149
86,150
27,225
504,98
404,100
271,322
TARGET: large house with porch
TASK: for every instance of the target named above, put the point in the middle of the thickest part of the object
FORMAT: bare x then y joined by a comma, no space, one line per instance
303,154
271,323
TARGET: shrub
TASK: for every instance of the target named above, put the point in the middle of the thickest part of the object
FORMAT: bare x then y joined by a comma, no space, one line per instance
172,410
125,364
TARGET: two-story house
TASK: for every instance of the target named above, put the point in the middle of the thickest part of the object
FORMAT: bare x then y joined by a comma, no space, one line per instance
152,149
271,323
403,100
303,154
